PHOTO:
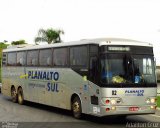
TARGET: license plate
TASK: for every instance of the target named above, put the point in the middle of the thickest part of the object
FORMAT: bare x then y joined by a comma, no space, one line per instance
133,108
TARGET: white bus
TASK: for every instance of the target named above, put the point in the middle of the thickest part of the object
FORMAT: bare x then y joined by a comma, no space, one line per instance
99,77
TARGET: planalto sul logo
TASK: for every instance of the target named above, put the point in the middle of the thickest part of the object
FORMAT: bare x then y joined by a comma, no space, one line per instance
134,92
43,75
49,80
129,92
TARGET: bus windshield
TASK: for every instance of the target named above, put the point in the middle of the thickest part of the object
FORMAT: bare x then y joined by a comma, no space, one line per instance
127,68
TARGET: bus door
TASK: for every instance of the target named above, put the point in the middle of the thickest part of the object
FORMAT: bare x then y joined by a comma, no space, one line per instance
93,88
93,69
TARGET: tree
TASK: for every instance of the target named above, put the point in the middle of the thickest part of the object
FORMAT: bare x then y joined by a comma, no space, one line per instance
49,35
2,46
19,42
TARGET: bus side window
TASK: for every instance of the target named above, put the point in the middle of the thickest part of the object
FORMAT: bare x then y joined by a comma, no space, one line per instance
93,68
78,56
4,60
60,57
34,62
45,57
11,59
21,61
49,61
21,58
32,58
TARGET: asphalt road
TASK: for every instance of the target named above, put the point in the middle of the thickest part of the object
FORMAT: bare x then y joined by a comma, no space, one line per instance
32,115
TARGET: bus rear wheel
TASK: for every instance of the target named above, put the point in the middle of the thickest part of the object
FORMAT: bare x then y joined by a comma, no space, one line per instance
13,94
76,108
20,96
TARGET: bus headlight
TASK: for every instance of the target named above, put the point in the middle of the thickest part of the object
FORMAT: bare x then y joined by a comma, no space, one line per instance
153,100
148,101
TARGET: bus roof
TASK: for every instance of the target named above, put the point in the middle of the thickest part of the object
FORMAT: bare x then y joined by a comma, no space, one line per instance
99,41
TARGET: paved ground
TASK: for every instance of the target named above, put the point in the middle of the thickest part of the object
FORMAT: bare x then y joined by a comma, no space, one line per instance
33,115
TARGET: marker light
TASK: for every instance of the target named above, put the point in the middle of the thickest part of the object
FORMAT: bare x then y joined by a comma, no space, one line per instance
113,101
107,109
107,101
119,101
113,108
153,107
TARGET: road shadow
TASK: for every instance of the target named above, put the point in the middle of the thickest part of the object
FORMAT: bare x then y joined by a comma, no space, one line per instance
43,107
113,120
108,120
48,108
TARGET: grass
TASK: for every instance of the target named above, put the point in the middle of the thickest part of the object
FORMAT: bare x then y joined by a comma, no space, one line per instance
0,75
0,72
158,101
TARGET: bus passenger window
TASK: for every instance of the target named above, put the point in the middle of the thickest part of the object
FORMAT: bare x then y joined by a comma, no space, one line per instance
32,58
78,56
34,62
21,58
49,61
4,60
11,59
60,57
45,57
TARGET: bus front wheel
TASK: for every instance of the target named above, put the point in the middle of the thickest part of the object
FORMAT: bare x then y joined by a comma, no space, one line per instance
13,94
20,96
76,108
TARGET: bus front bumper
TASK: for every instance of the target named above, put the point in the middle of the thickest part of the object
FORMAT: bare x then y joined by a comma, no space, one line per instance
123,110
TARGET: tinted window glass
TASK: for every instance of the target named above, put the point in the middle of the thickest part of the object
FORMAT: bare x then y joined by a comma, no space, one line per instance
4,60
4,55
21,58
11,59
78,56
93,49
126,69
60,57
32,58
45,57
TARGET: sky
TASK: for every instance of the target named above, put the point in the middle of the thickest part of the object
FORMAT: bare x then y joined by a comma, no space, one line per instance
82,19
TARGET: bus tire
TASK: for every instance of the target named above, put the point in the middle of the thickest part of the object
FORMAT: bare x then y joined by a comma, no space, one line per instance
20,96
13,94
76,108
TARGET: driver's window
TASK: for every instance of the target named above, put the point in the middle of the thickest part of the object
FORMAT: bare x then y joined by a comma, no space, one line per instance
147,67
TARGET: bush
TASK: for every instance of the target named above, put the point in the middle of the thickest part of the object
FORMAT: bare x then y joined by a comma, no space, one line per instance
158,101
